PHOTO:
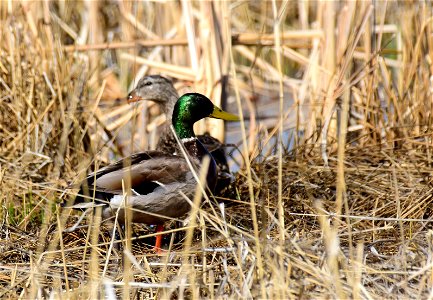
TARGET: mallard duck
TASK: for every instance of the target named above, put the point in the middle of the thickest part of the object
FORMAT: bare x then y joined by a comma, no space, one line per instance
157,178
161,90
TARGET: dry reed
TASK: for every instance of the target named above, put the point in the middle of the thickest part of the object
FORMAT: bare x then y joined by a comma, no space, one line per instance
332,197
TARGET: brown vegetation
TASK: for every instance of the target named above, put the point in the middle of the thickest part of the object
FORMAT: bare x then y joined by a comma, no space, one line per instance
332,197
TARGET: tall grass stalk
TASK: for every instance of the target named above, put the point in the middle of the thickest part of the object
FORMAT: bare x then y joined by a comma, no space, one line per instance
332,192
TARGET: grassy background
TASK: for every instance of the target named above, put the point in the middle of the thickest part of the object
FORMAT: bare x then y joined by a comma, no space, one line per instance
333,194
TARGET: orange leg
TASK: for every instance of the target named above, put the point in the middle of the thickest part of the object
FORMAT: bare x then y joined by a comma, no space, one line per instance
157,248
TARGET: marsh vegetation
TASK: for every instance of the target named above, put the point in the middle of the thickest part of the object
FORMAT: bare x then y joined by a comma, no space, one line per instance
332,157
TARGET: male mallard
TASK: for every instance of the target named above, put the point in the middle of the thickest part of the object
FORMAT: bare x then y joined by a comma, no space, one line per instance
161,90
157,178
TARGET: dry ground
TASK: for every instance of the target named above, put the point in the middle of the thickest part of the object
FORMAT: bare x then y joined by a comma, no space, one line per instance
332,197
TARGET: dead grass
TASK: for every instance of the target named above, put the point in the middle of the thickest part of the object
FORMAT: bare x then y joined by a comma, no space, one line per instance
332,197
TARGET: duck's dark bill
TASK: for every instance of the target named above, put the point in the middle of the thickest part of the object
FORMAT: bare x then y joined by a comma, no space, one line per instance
132,97
218,113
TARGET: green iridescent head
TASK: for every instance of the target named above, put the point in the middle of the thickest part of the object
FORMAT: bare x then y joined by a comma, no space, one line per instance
192,107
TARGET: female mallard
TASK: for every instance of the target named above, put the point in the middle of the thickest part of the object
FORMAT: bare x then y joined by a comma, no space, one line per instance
161,90
157,179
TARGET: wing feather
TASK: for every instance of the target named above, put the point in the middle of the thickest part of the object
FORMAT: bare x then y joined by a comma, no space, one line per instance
145,170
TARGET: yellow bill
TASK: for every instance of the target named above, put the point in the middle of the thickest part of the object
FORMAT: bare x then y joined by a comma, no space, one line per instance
218,113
